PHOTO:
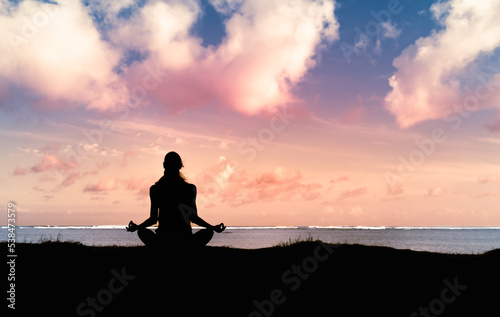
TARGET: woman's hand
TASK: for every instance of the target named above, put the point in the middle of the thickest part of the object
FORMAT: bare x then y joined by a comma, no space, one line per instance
132,226
219,228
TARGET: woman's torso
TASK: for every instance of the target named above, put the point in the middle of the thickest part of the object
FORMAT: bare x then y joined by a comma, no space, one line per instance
174,200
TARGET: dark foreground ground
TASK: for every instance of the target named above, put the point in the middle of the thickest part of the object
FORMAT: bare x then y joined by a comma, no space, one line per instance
304,279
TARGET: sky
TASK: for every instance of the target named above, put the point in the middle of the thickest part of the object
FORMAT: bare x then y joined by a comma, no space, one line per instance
285,113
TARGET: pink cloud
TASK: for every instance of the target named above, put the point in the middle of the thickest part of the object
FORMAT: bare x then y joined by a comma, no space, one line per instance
278,176
70,179
38,189
234,186
339,179
19,171
436,192
280,184
353,193
62,169
494,192
104,184
51,162
140,185
395,189
488,179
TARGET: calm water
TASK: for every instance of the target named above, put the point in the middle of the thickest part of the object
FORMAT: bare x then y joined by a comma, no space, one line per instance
434,239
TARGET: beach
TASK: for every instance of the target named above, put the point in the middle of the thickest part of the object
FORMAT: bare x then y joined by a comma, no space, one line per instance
309,278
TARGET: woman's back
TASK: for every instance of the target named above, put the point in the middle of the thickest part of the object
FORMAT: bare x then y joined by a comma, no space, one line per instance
176,201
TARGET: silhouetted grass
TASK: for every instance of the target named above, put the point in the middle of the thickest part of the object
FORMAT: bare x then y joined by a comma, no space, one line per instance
291,241
313,279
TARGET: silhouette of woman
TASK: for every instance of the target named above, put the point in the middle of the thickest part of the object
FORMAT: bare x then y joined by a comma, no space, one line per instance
173,206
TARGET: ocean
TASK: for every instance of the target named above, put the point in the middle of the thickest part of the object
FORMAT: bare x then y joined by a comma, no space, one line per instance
464,240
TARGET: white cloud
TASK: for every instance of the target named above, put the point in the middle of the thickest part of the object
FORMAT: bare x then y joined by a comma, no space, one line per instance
54,50
180,141
226,6
390,30
59,53
268,48
430,72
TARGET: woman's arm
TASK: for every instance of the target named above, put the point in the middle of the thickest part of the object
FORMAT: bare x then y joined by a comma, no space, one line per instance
153,212
202,223
198,220
153,215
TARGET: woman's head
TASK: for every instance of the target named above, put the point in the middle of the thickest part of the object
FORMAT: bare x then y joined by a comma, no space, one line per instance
172,164
172,161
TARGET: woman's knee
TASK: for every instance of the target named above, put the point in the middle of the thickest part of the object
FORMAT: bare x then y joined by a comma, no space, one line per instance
203,236
142,232
147,236
209,233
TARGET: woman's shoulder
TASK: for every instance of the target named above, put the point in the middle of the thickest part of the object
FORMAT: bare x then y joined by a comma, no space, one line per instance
153,189
191,187
164,183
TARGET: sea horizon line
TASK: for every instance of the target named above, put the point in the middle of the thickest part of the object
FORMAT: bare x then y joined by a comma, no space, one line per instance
442,227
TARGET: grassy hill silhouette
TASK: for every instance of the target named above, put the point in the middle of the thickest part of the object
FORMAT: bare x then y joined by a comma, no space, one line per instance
302,279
